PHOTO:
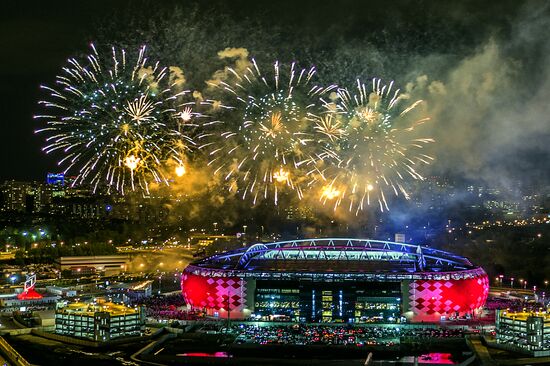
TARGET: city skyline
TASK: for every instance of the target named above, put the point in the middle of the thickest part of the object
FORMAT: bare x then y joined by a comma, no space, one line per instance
514,160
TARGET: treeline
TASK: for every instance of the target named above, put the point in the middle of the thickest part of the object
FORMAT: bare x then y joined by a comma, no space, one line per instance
519,252
48,254
24,233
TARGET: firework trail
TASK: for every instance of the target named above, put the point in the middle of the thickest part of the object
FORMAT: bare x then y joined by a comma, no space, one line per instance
116,122
370,147
267,139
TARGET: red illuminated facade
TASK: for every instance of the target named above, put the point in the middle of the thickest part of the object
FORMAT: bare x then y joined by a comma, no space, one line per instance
214,293
344,280
430,300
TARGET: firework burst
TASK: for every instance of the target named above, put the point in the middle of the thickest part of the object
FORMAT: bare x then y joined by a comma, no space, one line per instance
116,122
267,138
370,146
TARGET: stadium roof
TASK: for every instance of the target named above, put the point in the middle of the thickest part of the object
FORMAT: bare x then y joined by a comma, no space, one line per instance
339,255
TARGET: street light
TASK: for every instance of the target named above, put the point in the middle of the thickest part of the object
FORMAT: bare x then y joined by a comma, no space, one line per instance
228,311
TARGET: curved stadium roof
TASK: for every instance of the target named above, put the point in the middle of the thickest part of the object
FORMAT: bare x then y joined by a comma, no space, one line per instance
335,255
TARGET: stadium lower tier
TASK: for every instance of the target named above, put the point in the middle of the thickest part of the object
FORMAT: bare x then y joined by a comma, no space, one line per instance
337,300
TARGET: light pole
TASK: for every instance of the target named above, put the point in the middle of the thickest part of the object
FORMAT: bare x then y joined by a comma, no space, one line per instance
228,312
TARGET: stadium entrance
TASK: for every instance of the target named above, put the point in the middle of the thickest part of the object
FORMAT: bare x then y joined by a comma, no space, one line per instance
310,301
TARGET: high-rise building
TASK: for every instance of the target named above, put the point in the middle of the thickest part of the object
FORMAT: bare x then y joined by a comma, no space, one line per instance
15,196
56,179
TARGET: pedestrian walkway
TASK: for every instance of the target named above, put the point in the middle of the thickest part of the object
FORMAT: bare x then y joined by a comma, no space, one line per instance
481,351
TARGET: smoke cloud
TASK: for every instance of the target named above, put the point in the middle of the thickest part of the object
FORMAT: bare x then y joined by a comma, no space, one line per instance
483,72
177,78
491,107
241,63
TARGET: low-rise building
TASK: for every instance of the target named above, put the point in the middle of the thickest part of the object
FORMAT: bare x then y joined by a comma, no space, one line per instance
28,298
107,264
100,320
526,332
61,291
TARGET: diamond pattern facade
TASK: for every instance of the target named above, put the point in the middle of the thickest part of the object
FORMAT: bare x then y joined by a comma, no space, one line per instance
433,283
429,300
214,292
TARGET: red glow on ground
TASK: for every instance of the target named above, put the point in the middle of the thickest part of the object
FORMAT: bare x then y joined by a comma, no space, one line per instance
436,358
204,354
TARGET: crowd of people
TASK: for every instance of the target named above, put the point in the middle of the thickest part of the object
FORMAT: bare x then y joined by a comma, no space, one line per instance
514,304
334,335
171,307
432,333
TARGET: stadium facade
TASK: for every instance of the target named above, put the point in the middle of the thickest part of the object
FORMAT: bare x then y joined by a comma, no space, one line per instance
336,280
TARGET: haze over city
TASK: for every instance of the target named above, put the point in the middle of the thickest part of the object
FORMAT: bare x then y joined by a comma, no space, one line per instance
226,183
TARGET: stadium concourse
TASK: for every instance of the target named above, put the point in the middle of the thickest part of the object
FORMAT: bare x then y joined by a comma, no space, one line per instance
336,280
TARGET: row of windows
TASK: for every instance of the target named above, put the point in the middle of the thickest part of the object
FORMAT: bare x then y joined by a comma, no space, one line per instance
278,290
376,306
338,255
277,297
277,304
91,335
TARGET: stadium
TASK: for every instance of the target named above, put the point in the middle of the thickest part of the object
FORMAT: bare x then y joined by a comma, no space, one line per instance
336,280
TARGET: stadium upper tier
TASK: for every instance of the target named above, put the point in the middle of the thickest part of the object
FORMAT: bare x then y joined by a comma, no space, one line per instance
340,255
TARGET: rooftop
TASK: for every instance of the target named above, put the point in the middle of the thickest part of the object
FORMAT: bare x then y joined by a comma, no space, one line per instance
345,255
523,315
100,305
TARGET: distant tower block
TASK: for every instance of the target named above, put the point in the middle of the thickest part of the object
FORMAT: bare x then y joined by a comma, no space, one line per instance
400,238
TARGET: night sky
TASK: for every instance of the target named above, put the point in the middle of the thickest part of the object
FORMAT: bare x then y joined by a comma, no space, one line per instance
36,39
